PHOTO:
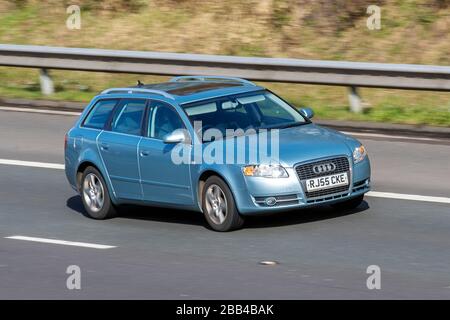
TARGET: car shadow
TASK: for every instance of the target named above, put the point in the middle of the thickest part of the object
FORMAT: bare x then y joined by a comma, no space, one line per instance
291,217
75,204
301,216
147,213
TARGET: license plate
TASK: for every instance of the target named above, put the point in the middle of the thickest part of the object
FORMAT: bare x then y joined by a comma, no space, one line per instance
335,180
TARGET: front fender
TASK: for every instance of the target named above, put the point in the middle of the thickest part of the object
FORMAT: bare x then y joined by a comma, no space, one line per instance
231,174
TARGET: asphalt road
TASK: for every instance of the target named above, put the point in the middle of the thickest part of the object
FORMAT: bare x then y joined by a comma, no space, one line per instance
169,254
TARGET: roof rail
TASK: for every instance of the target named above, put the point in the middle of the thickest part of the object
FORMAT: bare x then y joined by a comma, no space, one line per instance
206,78
138,90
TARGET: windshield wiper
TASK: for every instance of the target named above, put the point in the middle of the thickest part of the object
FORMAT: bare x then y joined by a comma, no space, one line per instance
290,125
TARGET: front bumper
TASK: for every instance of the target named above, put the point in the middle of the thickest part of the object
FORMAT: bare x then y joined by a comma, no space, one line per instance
265,195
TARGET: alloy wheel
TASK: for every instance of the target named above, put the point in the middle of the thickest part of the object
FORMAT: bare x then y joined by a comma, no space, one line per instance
93,192
216,204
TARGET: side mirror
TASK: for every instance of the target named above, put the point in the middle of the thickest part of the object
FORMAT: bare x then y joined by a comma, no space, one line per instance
307,112
178,136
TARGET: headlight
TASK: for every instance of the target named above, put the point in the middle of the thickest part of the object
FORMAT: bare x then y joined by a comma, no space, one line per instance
359,154
264,170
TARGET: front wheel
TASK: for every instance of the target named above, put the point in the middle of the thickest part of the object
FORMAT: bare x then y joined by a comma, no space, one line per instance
219,207
349,204
95,195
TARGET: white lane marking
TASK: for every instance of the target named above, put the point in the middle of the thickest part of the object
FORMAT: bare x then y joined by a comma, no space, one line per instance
380,135
65,113
378,194
63,242
32,164
412,197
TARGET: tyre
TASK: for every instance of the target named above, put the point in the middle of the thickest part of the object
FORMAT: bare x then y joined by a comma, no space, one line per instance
219,207
95,195
349,204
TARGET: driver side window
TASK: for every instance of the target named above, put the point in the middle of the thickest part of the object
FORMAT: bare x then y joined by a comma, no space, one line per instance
163,120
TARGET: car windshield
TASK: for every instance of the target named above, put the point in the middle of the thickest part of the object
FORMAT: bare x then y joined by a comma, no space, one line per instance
262,110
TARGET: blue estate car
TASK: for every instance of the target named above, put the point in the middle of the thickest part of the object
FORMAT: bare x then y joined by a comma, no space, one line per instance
219,145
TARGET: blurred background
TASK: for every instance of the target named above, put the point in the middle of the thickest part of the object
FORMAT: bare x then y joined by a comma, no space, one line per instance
412,31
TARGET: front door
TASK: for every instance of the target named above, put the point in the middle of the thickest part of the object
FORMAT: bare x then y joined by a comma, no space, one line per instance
163,180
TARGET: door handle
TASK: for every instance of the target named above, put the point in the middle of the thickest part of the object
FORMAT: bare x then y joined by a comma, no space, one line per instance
144,153
104,146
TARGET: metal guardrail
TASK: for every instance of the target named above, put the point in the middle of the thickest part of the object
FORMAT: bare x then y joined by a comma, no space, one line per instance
361,74
340,73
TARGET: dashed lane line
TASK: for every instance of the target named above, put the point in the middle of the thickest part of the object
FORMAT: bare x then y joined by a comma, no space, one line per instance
62,242
32,164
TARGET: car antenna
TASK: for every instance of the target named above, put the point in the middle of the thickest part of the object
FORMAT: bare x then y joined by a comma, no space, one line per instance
139,83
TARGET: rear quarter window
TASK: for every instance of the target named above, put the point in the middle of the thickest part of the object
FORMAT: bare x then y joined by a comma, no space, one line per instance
100,114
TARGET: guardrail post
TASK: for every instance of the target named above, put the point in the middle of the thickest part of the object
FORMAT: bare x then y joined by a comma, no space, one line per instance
355,100
47,87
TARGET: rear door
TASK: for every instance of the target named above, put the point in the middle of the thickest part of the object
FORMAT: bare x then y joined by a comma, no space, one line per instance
118,147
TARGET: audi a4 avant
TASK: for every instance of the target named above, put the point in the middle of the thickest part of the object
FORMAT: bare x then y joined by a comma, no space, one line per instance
218,145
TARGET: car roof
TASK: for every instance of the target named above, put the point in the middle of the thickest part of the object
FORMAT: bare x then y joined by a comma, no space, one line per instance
187,91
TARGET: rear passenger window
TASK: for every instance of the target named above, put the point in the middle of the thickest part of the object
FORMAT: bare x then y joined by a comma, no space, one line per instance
128,118
99,115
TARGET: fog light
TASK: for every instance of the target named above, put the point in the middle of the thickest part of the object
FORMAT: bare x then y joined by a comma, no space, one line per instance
271,201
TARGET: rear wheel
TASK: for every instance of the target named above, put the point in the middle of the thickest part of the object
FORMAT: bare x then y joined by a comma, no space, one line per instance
95,195
219,207
349,204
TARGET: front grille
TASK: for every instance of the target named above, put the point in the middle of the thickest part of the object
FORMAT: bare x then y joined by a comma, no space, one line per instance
332,197
305,171
320,193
